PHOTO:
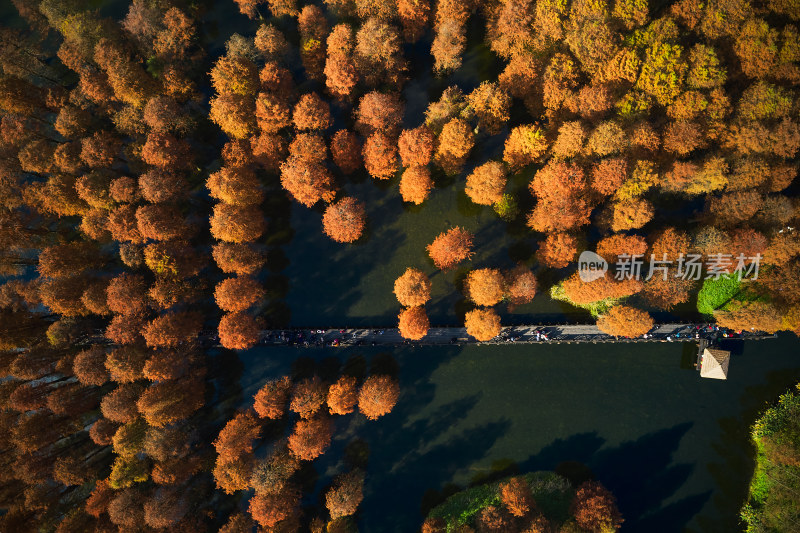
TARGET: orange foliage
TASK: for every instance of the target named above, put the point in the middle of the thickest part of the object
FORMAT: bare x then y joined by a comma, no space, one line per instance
342,396
516,495
311,437
308,397
380,156
416,146
483,324
485,286
521,285
624,321
412,288
582,292
595,509
485,185
271,398
413,323
455,143
238,331
238,294
344,220
612,247
450,248
378,396
311,113
416,184
346,151
558,250
609,174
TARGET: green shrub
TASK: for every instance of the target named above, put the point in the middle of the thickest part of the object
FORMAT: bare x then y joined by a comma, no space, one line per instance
715,293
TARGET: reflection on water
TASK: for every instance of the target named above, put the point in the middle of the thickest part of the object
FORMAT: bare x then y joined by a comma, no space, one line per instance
673,447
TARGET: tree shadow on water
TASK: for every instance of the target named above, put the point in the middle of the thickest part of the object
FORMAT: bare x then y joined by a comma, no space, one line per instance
640,473
410,453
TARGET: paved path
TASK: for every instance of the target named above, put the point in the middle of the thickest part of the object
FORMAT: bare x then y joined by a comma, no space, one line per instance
511,334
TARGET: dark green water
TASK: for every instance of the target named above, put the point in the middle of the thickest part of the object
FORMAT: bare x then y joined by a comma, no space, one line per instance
673,447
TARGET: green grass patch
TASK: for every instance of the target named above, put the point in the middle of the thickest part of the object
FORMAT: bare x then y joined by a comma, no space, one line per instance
715,293
552,493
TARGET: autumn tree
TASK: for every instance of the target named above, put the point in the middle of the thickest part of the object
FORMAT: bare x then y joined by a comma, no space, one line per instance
344,220
524,145
485,286
238,331
558,250
311,113
379,113
517,497
595,508
126,294
310,438
167,402
750,316
237,224
346,151
237,258
491,105
342,396
308,397
483,324
341,73
416,146
624,321
344,497
378,396
485,184
238,294
313,30
415,184
520,283
450,248
270,510
413,323
412,288
235,185
380,156
173,329
454,144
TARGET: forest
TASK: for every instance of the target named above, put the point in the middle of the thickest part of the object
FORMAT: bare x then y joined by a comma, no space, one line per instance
145,178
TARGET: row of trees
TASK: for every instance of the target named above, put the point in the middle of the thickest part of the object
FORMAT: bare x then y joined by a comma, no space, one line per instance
109,381
593,508
313,404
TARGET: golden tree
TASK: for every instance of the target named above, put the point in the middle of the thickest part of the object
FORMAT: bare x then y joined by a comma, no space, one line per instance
450,248
485,184
416,184
485,286
344,220
412,288
413,323
483,324
624,321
